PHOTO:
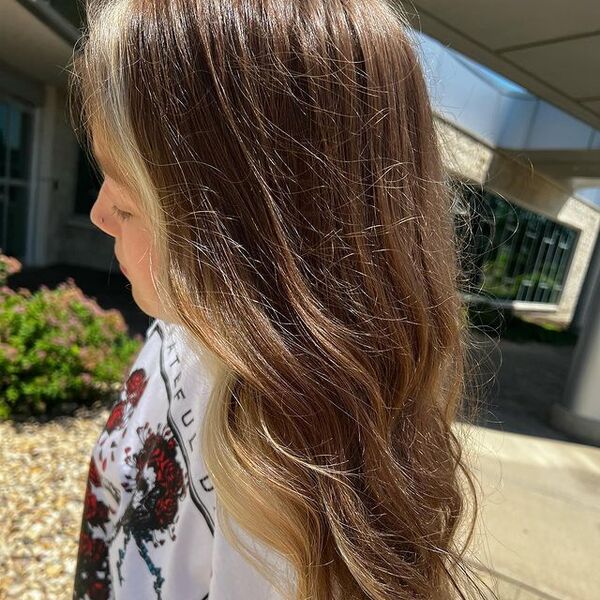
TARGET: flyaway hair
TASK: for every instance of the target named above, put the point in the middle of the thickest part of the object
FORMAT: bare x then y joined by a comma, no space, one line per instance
285,154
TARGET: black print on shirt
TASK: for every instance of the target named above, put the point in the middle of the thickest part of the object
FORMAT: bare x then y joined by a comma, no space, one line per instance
180,420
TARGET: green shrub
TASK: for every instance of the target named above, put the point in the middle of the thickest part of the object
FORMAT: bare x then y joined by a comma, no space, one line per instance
8,266
59,347
545,333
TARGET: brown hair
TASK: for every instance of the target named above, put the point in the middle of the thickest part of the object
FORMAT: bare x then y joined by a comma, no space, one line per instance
285,153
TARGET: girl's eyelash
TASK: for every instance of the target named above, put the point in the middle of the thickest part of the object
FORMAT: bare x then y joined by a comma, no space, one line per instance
121,214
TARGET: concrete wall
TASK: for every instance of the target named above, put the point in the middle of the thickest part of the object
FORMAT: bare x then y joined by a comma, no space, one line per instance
65,153
53,179
61,236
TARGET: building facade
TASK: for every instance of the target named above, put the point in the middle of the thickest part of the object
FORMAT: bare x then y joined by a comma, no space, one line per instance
488,132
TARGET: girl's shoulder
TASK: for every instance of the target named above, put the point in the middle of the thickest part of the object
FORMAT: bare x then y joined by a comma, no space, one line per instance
166,330
171,342
154,324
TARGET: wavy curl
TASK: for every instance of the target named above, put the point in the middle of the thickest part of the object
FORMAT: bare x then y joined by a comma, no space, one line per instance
286,155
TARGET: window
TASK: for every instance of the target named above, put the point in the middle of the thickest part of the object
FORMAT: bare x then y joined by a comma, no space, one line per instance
509,252
88,185
16,124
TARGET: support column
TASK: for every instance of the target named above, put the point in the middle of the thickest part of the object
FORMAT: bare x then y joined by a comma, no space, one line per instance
43,180
578,411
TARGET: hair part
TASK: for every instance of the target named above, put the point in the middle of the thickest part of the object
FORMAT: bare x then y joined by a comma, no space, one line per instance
285,153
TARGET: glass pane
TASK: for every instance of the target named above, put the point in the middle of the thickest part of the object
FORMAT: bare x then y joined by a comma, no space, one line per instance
514,254
3,138
17,221
88,185
2,210
19,143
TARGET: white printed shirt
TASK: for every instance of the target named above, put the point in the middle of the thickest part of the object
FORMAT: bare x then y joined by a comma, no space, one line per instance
149,528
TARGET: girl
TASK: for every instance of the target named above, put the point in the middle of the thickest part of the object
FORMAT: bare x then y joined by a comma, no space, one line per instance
274,188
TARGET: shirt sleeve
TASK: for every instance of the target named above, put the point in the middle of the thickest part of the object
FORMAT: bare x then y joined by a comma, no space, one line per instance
92,573
92,579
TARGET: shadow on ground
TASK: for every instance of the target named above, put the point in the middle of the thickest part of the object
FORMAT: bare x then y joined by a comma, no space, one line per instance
517,383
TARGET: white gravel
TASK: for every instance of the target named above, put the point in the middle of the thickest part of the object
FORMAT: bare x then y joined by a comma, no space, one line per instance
42,484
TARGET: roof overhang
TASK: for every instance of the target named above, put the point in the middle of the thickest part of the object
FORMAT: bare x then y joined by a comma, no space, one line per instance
35,41
550,47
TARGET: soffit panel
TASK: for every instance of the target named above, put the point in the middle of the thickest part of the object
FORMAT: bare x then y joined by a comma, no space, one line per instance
502,24
594,105
572,65
550,47
31,47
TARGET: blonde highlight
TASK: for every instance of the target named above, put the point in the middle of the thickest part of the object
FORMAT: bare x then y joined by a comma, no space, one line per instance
285,154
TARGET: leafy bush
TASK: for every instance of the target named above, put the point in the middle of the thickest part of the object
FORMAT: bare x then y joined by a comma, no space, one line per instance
520,330
58,347
8,266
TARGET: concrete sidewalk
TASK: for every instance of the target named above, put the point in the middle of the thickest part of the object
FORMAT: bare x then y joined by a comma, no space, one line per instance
538,531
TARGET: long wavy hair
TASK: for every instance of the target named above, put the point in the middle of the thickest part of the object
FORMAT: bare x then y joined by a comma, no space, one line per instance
285,154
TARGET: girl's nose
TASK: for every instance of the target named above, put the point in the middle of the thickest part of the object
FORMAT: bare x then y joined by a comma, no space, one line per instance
101,220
